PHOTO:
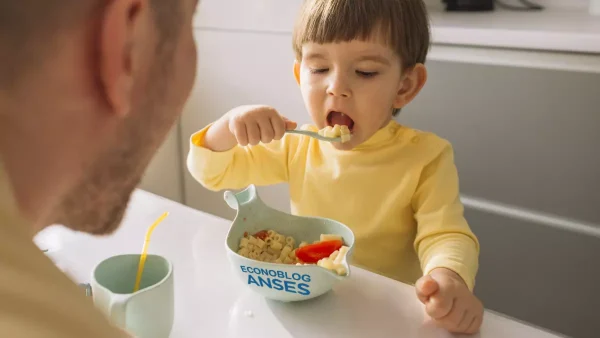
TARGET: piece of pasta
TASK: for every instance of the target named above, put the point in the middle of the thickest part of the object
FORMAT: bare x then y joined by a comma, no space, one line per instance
329,237
340,256
276,245
290,241
252,240
244,252
279,238
326,263
285,252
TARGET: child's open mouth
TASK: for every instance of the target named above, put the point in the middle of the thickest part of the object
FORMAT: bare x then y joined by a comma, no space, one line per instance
335,117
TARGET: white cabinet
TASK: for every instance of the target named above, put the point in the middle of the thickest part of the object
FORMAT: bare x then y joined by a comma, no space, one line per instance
526,145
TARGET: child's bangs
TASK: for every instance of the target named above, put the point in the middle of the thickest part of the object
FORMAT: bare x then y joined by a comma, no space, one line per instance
343,20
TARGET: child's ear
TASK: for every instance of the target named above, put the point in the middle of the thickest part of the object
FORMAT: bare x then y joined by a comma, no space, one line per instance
297,71
411,85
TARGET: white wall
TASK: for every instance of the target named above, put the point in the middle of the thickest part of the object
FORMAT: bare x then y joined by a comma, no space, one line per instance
164,175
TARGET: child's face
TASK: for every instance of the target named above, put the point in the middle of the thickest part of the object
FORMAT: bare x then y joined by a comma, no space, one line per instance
356,83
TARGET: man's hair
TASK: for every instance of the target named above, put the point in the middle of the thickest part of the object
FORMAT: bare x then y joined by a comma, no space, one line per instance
28,28
404,24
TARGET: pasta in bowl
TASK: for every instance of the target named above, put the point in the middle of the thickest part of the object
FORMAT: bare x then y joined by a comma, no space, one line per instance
285,257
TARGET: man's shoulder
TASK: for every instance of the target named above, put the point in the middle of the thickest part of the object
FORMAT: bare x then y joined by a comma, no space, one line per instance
38,300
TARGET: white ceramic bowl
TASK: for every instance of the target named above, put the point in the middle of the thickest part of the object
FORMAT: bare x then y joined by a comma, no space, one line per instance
282,282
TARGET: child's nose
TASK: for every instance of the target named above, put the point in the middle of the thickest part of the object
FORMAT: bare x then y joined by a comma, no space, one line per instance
338,87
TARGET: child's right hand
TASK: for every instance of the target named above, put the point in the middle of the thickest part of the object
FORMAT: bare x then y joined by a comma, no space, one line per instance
254,124
246,125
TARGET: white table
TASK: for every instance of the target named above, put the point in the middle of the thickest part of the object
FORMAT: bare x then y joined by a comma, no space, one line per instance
211,302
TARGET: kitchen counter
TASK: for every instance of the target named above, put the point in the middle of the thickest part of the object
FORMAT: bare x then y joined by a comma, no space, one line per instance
561,30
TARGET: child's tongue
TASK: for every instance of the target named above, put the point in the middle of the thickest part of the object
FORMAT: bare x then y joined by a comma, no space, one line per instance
341,119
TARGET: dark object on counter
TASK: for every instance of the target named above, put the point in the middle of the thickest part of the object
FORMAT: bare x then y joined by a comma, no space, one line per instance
469,5
526,5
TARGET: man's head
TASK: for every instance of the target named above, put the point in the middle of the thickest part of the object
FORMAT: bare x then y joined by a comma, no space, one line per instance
359,61
112,76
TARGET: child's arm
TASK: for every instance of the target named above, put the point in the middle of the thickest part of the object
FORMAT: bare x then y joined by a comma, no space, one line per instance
447,248
217,162
444,239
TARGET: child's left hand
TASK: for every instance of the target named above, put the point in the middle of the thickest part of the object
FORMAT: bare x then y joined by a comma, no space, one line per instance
449,302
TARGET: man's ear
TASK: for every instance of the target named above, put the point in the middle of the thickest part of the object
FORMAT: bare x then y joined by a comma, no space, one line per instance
118,25
297,71
413,81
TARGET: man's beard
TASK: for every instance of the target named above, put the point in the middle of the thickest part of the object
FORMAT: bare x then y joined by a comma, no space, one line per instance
97,205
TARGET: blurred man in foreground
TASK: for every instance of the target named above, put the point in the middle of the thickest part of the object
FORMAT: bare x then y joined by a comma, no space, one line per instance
88,91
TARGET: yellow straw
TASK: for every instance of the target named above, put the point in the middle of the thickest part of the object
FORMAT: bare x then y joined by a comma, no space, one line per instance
138,279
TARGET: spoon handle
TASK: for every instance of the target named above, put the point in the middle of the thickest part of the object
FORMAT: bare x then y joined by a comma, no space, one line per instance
315,135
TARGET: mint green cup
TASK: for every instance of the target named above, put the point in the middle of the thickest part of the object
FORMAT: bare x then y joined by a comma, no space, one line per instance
147,313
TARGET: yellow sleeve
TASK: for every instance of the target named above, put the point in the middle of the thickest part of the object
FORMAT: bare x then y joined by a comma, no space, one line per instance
263,164
444,239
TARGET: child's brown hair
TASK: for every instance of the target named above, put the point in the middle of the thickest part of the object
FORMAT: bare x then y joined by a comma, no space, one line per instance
403,23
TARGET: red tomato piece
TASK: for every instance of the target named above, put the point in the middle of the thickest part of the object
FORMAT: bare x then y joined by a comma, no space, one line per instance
312,253
263,234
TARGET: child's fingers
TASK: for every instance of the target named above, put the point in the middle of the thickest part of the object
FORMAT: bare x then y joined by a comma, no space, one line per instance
241,135
476,310
465,317
290,125
278,124
253,133
458,327
465,323
425,287
458,320
475,324
439,306
267,133
237,126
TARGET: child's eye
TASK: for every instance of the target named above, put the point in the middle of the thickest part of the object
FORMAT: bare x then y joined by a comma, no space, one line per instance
366,74
318,70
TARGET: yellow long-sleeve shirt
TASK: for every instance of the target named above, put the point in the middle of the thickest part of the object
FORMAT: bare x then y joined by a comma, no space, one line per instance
398,192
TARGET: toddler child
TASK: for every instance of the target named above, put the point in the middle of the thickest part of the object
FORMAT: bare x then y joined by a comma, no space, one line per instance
358,62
